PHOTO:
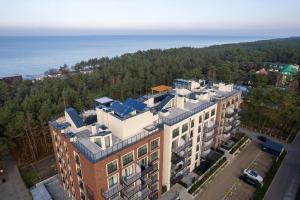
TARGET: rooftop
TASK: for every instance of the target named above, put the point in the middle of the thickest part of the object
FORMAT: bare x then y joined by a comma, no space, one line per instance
161,88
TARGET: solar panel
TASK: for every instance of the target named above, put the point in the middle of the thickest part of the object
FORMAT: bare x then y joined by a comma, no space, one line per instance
77,120
121,109
140,106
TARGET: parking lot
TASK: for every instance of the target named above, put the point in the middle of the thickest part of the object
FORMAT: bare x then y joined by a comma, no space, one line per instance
227,184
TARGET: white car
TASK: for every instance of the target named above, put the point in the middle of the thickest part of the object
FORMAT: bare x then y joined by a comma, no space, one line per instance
254,175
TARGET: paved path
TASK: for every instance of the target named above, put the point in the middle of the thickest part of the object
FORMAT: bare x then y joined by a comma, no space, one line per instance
14,187
225,179
287,180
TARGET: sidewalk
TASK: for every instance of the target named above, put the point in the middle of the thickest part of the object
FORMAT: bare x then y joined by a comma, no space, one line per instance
14,187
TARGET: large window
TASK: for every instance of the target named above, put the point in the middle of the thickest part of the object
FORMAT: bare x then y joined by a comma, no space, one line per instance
154,144
185,128
142,150
128,158
112,167
212,113
206,115
200,119
113,180
175,133
192,123
127,171
154,156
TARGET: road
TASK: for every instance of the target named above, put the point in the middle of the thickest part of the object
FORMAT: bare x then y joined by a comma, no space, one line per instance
287,180
227,180
14,187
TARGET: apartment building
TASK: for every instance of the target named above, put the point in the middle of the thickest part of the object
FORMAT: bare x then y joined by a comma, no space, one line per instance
132,149
117,156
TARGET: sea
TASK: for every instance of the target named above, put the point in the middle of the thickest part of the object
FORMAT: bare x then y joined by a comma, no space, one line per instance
33,55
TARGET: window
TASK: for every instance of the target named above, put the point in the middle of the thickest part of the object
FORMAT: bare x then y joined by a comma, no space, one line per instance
200,119
113,180
175,144
154,144
154,156
155,166
212,113
199,129
206,115
198,138
175,132
184,128
196,157
107,141
198,147
192,123
128,158
112,167
142,150
127,171
143,161
192,134
184,137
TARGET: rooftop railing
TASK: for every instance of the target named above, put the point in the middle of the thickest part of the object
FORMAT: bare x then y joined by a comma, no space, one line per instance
178,118
94,157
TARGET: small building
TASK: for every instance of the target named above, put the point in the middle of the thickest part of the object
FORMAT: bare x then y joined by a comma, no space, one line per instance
289,70
160,89
262,72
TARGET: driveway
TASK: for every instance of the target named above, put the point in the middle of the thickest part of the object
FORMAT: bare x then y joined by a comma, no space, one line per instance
224,185
14,187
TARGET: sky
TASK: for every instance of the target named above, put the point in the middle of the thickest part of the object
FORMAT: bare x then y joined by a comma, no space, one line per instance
151,17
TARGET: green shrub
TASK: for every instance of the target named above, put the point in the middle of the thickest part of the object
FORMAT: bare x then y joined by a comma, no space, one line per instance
238,145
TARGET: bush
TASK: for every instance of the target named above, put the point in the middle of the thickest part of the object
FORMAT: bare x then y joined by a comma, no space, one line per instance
30,179
207,175
238,145
260,192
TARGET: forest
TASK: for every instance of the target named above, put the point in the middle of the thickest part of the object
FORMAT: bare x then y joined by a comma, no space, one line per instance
27,106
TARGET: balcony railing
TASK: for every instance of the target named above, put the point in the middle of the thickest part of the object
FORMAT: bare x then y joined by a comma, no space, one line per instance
178,118
176,159
207,144
146,170
205,152
112,191
208,138
182,147
210,128
131,191
94,157
127,180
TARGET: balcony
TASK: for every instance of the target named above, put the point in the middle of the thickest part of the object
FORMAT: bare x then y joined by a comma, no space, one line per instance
237,123
205,152
176,159
209,128
227,129
127,180
112,191
145,181
231,112
207,144
141,194
146,169
208,138
226,136
182,147
131,191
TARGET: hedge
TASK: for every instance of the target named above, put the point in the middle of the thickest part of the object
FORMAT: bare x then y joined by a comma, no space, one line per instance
238,145
260,192
207,175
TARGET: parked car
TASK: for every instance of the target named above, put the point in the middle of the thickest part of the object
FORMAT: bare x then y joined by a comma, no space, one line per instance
253,175
262,138
250,181
272,148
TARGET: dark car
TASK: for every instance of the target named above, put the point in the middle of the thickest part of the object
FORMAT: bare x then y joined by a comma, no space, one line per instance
262,138
250,181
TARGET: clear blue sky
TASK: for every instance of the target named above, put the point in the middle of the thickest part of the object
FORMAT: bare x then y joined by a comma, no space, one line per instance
197,17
